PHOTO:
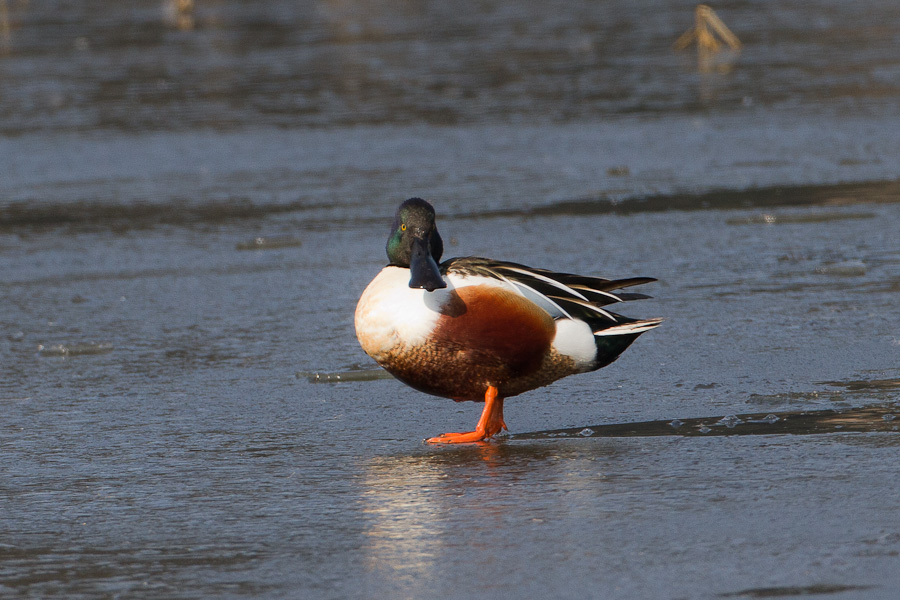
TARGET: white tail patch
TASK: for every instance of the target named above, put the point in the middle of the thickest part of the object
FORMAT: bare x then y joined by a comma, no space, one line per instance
575,339
630,328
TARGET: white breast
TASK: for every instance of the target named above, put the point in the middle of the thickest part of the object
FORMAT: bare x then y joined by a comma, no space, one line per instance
392,314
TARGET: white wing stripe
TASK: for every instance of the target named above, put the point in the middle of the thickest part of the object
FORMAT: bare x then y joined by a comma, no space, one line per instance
539,299
596,309
609,295
552,282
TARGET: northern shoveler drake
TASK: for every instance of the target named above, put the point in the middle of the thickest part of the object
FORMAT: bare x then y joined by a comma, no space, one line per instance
484,330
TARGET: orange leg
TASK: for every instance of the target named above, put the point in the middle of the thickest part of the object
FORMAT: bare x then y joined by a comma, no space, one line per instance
490,423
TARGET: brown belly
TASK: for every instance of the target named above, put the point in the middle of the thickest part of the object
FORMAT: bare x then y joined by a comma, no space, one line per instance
466,375
485,336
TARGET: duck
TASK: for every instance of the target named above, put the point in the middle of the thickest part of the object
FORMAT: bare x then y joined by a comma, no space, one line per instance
483,330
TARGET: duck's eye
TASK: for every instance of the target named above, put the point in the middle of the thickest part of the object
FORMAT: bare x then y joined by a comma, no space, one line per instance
402,226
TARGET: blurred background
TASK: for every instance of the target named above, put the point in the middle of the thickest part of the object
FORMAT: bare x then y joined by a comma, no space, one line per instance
193,195
280,103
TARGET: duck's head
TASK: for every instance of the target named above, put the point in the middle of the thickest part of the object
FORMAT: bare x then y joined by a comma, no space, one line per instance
416,244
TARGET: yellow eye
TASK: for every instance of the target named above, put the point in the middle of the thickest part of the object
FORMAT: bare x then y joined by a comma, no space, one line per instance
403,227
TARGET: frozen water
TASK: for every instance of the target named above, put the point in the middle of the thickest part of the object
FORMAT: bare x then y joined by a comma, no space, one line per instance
730,421
210,197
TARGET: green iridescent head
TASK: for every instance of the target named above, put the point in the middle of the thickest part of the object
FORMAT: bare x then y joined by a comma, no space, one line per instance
415,244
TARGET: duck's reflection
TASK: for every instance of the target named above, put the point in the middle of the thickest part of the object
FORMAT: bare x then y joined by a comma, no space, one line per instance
425,509
404,526
470,492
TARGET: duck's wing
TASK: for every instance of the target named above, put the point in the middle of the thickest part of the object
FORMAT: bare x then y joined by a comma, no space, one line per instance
563,295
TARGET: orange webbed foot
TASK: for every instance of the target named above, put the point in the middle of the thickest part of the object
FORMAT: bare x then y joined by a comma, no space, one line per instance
489,425
459,438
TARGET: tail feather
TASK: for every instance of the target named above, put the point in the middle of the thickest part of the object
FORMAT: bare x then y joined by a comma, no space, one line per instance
613,341
630,328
